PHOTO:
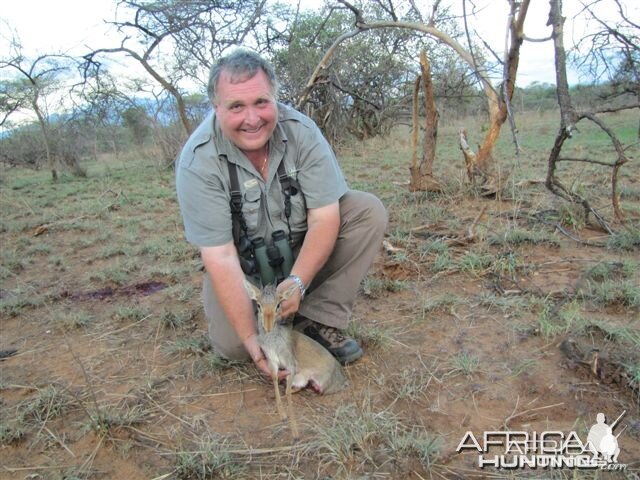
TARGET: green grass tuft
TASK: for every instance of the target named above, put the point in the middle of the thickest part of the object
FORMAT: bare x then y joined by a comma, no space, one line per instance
213,458
373,287
370,335
443,262
518,237
607,270
417,443
15,302
611,292
465,363
440,302
627,240
130,314
175,320
360,436
189,346
410,384
475,263
10,434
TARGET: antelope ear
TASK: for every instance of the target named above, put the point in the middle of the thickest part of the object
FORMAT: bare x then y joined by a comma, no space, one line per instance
254,292
288,292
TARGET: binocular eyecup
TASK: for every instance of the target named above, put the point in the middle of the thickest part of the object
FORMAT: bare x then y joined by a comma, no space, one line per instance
273,262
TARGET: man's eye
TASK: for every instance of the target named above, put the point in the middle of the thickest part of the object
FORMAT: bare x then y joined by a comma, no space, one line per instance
235,108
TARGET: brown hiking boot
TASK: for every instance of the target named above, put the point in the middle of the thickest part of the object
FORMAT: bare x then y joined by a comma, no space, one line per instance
345,349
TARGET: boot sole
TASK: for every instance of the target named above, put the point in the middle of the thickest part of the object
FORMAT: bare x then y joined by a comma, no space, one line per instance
347,359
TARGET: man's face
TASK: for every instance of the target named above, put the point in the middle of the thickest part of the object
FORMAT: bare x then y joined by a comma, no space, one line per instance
247,111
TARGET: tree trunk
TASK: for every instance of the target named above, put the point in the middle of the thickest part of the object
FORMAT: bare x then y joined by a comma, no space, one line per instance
469,156
569,118
422,175
492,181
95,144
47,141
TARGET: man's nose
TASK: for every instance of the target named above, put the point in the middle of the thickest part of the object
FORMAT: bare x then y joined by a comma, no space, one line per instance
251,115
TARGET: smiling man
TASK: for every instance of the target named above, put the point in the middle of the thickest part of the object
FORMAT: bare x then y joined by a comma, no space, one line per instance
263,197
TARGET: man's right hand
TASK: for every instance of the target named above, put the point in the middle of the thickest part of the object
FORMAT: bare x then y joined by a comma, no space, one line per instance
257,355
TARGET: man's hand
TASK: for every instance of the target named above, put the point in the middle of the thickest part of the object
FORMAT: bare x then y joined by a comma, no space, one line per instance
257,355
290,305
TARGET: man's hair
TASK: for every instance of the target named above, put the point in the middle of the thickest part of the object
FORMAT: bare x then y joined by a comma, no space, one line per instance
241,65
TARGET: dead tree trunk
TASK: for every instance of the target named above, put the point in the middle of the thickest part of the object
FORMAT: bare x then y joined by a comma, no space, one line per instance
569,118
481,165
469,155
422,175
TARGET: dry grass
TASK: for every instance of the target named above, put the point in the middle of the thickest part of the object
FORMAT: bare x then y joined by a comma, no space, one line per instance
113,377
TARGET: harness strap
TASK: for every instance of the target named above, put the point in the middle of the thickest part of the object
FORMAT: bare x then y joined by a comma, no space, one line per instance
238,223
289,188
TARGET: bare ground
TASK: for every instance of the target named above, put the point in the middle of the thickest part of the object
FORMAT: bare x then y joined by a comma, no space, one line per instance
112,378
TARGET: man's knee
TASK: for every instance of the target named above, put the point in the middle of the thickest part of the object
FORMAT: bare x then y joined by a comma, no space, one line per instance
367,208
224,341
378,213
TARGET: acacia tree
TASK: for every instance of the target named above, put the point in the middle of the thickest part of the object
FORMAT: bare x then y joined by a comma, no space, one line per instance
34,85
10,101
365,88
100,103
173,40
611,50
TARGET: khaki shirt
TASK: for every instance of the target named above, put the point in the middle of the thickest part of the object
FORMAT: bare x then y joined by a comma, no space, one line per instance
203,185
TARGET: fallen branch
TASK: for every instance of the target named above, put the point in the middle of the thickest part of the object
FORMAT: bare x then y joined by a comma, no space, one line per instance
470,231
524,183
566,233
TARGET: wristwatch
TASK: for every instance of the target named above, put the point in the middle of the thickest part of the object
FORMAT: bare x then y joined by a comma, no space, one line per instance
298,282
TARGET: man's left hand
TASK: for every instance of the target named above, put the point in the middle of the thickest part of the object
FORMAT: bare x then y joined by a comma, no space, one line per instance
291,305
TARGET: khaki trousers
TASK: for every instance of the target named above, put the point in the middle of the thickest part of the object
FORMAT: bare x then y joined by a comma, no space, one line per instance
330,297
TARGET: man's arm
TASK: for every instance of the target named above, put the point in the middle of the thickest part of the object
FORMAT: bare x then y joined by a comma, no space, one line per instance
323,225
227,279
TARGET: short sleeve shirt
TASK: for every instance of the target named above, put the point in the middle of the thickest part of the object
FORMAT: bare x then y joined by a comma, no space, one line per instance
203,185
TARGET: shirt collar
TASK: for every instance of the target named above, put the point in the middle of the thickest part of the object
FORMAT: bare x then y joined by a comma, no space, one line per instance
203,133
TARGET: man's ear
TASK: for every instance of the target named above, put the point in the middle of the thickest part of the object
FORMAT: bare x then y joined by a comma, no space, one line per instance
254,292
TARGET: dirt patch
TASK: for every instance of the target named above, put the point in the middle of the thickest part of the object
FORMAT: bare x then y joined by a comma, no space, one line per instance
111,375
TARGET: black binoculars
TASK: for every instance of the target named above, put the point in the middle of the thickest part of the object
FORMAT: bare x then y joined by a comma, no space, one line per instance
273,262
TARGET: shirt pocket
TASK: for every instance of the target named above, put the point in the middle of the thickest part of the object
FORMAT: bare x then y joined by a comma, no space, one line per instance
251,209
298,212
